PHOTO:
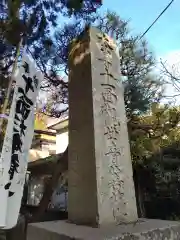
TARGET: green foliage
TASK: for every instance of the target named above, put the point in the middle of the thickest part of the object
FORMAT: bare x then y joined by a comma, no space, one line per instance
36,17
47,38
35,21
155,151
141,85
155,131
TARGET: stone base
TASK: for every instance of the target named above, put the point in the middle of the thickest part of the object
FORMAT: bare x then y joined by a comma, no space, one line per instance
145,229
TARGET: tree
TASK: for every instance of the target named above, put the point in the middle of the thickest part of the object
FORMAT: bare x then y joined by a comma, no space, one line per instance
33,21
172,77
149,133
159,129
141,85
29,23
136,62
149,145
50,50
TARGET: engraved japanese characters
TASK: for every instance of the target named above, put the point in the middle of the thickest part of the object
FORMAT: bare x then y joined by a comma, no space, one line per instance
111,125
98,136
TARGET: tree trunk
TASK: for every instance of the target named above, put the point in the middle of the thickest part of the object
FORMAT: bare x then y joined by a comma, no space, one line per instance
60,167
139,195
140,207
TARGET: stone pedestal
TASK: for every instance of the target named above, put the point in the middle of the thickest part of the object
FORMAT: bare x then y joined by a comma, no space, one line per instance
100,182
143,230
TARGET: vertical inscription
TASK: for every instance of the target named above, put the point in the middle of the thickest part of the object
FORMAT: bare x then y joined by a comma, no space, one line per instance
23,108
112,126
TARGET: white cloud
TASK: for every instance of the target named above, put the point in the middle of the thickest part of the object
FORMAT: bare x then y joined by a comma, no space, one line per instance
172,57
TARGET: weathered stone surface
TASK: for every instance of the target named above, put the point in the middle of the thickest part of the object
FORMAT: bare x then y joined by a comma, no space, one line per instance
143,230
101,188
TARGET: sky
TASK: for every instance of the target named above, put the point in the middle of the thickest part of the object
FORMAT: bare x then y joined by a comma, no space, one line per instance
163,37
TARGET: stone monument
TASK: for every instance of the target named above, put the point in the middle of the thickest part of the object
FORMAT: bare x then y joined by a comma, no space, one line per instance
100,169
101,195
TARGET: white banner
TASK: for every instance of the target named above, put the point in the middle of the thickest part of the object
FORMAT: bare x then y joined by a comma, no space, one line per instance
17,142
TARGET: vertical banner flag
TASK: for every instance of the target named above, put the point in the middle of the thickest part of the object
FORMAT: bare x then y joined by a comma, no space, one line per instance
17,142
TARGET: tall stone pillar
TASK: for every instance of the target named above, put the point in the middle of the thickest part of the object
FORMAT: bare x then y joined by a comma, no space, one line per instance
101,189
